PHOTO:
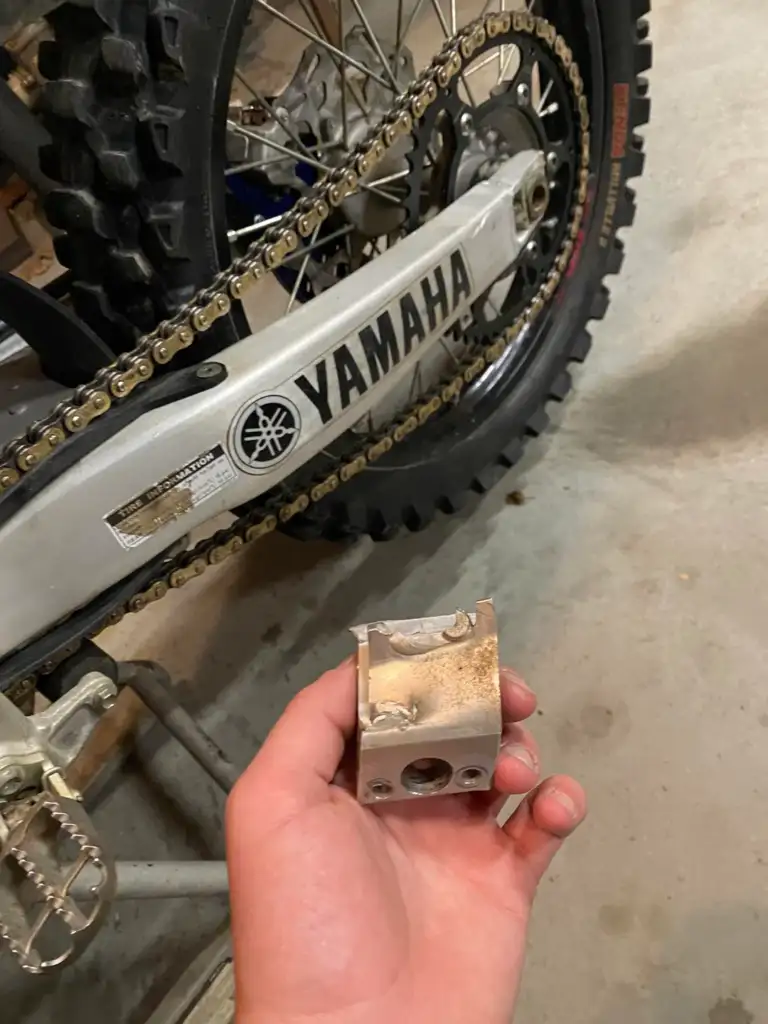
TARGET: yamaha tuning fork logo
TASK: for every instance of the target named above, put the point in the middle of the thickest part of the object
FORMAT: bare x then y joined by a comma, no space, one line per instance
265,432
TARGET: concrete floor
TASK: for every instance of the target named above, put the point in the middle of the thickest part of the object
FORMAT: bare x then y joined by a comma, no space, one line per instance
631,594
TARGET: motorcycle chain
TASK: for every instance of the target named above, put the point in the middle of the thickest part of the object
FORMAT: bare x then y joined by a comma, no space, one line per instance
117,382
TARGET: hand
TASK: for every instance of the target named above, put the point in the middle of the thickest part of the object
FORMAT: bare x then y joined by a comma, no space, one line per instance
409,913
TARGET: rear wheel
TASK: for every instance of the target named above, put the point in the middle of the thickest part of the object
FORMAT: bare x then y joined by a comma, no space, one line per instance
154,107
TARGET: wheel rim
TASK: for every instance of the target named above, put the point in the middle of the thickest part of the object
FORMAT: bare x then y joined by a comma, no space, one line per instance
317,154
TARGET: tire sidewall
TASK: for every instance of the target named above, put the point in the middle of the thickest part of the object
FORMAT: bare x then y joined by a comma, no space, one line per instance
436,465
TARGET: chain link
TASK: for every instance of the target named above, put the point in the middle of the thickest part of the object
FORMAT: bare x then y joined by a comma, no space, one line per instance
132,370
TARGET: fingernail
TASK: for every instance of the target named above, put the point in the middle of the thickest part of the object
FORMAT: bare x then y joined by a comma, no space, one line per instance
521,690
521,754
565,801
514,680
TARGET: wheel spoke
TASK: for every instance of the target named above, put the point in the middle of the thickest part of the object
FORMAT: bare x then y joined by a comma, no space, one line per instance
301,158
251,229
302,270
343,75
322,16
269,109
402,39
489,3
545,96
447,33
415,382
309,34
502,8
398,29
453,17
448,352
374,41
300,253
397,176
507,62
480,65
258,165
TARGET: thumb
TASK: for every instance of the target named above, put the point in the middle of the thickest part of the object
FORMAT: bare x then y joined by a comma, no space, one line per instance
542,822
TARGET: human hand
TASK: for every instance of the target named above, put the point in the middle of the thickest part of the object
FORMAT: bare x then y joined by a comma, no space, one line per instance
414,912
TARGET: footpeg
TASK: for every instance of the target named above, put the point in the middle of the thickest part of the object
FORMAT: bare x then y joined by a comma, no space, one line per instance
47,839
48,843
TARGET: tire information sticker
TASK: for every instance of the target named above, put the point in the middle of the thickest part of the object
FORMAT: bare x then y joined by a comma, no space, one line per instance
170,498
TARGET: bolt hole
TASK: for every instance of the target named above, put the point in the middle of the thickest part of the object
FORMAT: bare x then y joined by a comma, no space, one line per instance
539,197
380,789
470,777
426,775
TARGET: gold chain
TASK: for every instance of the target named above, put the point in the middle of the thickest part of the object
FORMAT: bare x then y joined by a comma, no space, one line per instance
133,369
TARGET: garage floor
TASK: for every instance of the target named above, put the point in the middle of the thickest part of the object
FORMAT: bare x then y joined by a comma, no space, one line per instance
631,588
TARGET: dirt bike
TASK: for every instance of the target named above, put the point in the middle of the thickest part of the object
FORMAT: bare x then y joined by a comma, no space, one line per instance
321,277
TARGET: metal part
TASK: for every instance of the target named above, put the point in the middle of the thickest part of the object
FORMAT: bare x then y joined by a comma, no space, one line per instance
159,880
264,256
314,110
429,705
33,745
152,683
46,838
205,993
444,268
46,842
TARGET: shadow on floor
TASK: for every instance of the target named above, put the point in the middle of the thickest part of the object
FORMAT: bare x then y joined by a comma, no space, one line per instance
695,975
705,391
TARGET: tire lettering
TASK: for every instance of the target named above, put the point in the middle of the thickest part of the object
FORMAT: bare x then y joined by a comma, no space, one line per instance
614,193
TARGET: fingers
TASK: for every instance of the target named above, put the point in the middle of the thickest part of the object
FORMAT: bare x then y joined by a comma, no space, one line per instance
517,766
543,820
304,749
518,702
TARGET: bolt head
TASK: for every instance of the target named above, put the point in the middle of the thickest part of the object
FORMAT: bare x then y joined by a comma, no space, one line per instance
552,161
466,123
11,781
532,249
523,94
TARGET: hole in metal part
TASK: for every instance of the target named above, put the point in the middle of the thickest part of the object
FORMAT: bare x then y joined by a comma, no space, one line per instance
426,775
470,777
539,199
380,789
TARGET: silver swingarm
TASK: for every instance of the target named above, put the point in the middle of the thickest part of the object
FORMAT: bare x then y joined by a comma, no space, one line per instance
289,391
